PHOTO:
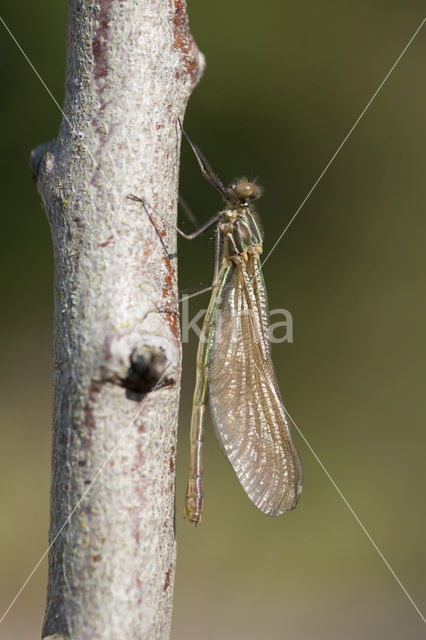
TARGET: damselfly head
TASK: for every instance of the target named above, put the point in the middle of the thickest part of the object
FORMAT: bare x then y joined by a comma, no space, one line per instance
242,191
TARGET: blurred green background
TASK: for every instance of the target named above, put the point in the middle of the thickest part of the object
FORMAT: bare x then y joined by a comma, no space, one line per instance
284,83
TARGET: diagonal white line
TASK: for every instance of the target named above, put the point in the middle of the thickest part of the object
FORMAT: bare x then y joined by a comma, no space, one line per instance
357,519
95,477
34,69
345,139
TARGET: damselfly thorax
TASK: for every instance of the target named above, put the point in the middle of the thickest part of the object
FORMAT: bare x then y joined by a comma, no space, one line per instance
240,233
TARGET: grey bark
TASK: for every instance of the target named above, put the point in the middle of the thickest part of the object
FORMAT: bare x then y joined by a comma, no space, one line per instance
131,66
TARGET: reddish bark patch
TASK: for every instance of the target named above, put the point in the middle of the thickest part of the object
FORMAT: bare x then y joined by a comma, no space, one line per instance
138,485
89,419
100,40
172,465
97,558
106,243
184,41
146,254
139,455
167,581
168,280
137,470
172,318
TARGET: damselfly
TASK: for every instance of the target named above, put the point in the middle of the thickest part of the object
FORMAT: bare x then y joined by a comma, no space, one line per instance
234,367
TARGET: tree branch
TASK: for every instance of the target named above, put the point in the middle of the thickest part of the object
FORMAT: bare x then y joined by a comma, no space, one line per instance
131,66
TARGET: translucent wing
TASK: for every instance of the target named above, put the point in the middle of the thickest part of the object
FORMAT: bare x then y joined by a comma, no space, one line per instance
248,414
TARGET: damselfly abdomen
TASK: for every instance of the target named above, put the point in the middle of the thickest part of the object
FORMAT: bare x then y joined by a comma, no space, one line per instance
234,367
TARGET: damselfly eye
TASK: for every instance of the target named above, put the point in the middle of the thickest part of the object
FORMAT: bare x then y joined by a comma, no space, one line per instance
244,189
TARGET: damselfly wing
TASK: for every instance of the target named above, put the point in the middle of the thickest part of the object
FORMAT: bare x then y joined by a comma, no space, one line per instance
248,414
